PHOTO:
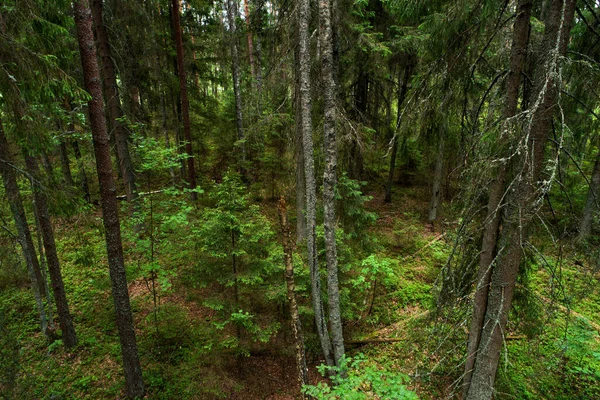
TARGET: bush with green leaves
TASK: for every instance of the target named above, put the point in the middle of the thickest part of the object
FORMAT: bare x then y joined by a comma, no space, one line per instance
362,381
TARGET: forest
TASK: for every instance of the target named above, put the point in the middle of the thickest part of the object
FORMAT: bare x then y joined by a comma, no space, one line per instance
295,199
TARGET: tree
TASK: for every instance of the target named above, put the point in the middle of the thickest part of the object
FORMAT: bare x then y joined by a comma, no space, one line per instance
134,384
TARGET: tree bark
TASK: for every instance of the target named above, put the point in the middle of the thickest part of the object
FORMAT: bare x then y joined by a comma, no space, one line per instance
299,152
235,72
585,225
291,295
249,39
134,384
309,172
65,165
522,203
496,194
47,232
11,187
82,174
185,105
113,102
330,179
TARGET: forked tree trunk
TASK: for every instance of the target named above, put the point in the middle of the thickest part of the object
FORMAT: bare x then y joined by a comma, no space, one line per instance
113,102
11,187
183,97
134,384
309,175
47,231
235,73
522,203
585,225
330,179
496,193
291,295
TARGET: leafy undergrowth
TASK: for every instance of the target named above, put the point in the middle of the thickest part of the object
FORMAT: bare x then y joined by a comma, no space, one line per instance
195,344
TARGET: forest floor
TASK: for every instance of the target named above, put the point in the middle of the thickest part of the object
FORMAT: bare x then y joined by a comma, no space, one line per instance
399,328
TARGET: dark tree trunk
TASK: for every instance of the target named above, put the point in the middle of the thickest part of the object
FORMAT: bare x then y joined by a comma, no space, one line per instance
522,203
11,187
183,96
65,165
497,189
437,181
330,179
113,102
235,72
82,174
585,225
134,384
309,172
291,295
47,231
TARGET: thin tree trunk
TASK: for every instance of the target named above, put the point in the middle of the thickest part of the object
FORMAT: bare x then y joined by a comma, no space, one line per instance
134,384
523,203
437,181
330,179
185,105
249,38
11,187
47,232
291,295
235,72
113,102
82,174
496,194
65,165
299,152
585,225
309,171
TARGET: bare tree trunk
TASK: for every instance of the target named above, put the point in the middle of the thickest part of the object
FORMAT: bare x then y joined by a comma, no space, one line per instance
47,232
309,171
291,295
585,225
496,194
65,165
82,174
249,38
299,152
522,203
113,101
437,181
235,72
330,179
134,384
185,105
11,187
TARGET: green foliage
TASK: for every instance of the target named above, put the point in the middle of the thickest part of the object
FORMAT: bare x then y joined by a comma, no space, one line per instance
364,381
350,203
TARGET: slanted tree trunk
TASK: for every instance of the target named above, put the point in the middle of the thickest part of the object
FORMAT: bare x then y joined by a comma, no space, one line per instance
47,232
134,384
309,175
437,181
497,189
291,295
183,97
522,202
113,102
330,179
235,73
11,187
585,225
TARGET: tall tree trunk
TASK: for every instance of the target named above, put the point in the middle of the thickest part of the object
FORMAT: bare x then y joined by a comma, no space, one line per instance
437,181
134,384
249,38
330,179
585,225
291,295
496,194
82,174
235,72
65,165
185,105
299,153
113,102
11,187
402,90
522,203
309,171
47,231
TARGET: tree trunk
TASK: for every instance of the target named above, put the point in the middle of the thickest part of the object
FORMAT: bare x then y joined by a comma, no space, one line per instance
47,232
309,172
330,179
82,174
185,105
437,181
134,384
585,225
496,194
113,102
249,38
522,203
11,187
299,152
65,165
235,72
291,295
